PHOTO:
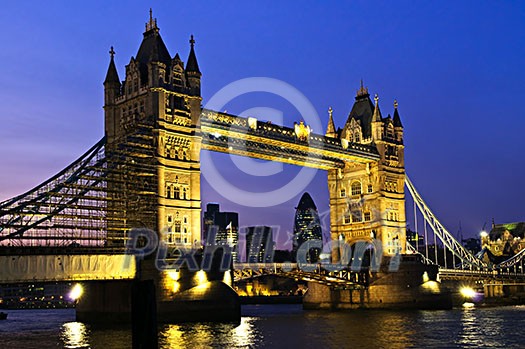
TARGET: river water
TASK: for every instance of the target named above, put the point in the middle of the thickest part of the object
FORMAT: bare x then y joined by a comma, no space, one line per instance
285,326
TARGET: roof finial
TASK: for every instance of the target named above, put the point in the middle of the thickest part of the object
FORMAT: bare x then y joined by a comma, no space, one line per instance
192,41
376,98
111,52
330,110
152,23
395,103
363,91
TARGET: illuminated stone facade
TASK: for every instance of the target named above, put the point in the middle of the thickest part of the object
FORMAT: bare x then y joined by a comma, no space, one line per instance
504,241
367,200
151,118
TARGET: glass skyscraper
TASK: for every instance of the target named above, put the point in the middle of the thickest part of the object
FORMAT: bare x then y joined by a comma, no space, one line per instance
307,227
224,226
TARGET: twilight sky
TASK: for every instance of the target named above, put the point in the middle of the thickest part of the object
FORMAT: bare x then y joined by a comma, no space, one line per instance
456,69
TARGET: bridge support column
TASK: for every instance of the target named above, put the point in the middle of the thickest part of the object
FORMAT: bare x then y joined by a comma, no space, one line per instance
181,296
413,286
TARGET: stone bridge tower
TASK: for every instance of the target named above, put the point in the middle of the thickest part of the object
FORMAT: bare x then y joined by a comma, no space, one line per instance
153,142
367,200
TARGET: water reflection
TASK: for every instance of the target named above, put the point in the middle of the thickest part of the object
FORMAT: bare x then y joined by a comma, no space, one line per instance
290,327
480,329
74,335
209,335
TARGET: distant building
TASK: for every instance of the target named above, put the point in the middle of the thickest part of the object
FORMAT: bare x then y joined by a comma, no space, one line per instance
259,244
307,227
416,240
36,295
504,240
222,226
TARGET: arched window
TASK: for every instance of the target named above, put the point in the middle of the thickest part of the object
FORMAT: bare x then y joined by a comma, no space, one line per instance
168,191
176,193
356,188
185,193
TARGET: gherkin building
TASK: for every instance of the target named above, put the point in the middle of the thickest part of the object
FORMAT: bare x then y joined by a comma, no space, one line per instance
307,227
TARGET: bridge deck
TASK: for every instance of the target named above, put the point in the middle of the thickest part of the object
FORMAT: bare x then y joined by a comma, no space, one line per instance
248,137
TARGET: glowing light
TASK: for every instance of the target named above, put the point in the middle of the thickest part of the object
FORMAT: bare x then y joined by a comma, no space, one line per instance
76,292
468,305
176,286
467,292
201,277
483,234
425,277
431,286
174,274
227,279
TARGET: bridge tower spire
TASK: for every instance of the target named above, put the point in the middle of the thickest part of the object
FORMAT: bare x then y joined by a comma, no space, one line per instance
330,129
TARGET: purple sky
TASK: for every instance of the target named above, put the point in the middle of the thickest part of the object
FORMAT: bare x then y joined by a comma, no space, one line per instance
456,69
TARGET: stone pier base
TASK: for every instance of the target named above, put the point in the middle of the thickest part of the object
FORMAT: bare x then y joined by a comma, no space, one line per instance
413,286
181,296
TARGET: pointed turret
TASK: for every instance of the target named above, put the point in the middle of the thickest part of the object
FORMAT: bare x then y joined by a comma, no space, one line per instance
112,81
193,74
112,74
330,129
376,117
112,88
398,126
192,65
397,119
377,121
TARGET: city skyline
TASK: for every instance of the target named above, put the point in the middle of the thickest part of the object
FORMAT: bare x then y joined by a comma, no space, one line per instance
63,82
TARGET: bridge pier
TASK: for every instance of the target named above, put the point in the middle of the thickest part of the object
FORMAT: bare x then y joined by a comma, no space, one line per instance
181,296
412,286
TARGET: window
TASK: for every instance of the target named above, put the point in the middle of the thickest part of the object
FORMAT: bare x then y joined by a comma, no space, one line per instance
170,218
168,191
368,216
177,227
185,220
185,193
356,188
357,137
343,193
370,188
347,219
176,193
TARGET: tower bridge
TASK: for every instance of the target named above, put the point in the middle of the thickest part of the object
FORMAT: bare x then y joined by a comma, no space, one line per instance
145,173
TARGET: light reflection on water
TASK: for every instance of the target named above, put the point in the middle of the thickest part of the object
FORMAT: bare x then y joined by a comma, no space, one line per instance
74,335
284,326
210,335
